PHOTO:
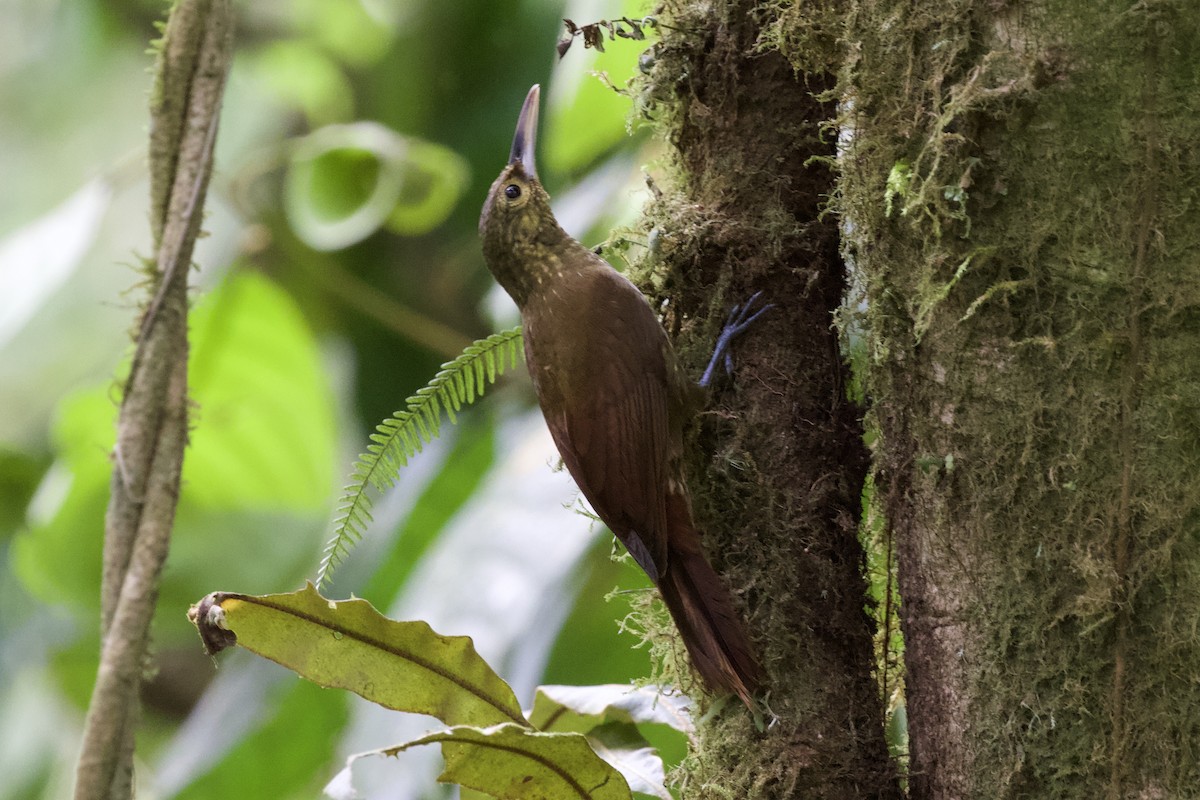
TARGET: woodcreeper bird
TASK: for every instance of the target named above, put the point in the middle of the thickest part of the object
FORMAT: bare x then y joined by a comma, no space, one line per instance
616,401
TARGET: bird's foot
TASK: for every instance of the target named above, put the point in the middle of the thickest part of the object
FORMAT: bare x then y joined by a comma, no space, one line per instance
740,318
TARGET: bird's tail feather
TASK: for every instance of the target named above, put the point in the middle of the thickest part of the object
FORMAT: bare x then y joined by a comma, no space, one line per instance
711,628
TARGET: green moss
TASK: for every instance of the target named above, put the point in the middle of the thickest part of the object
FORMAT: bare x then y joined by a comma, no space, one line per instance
1023,195
777,461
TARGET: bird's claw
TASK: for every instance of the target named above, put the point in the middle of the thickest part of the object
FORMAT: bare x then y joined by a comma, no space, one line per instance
741,315
740,318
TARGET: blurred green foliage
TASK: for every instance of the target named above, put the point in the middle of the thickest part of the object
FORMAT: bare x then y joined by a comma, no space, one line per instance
341,267
254,367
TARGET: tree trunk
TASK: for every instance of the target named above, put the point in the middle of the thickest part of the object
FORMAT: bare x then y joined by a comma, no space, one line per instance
1022,196
781,462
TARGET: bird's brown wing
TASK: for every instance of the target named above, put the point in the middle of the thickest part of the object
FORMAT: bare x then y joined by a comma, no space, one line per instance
606,389
615,400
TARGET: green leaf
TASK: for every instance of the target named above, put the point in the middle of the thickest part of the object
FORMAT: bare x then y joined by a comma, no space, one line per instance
303,76
583,708
357,33
292,732
255,476
512,762
621,745
344,182
435,179
609,714
264,430
404,666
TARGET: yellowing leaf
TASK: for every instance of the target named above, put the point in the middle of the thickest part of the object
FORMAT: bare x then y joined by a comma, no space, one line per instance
404,666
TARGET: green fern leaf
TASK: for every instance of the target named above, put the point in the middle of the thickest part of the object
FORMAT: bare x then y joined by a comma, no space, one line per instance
400,437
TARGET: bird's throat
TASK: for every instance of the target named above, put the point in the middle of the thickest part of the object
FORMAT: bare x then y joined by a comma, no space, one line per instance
535,266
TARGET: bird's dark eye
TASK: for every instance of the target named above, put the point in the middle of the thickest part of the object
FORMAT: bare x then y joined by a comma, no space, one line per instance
512,191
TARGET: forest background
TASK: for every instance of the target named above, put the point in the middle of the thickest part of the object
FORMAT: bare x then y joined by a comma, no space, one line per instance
341,267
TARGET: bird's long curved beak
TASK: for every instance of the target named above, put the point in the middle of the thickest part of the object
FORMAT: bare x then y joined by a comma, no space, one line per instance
525,139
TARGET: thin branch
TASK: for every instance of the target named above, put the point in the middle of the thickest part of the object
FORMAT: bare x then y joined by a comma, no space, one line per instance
152,427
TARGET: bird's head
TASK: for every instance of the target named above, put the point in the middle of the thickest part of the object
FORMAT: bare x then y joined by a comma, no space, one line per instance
517,227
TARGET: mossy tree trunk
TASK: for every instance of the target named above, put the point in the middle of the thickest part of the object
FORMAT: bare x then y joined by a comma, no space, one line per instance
1023,193
780,457
1020,195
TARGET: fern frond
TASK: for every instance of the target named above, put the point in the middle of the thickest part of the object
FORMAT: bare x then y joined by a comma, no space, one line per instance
401,436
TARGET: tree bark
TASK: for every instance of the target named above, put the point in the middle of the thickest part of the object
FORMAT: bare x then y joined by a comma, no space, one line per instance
781,462
1022,195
